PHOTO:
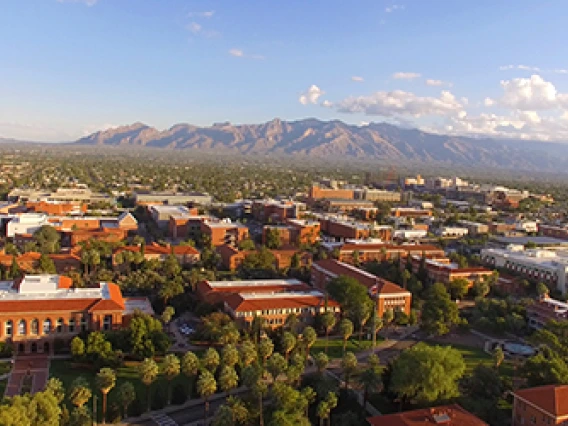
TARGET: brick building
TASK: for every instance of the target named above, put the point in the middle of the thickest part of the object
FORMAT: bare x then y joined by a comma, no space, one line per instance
544,310
446,415
294,232
232,258
388,294
186,226
37,309
214,292
29,262
442,270
221,233
410,212
560,232
541,406
368,252
56,208
272,211
186,255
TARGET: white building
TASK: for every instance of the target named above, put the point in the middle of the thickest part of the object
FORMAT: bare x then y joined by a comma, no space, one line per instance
453,231
527,226
26,223
548,266
409,234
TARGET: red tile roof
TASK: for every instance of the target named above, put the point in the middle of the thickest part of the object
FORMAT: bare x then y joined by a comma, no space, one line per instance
377,247
239,304
552,398
161,250
447,415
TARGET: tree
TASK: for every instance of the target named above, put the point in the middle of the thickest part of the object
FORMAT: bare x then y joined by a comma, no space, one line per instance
426,374
439,313
47,238
55,386
206,387
246,245
211,359
542,289
406,275
325,407
545,368
171,267
349,293
148,371
328,322
498,356
370,380
346,330
170,289
321,361
483,383
265,349
46,265
361,313
98,348
228,378
80,392
190,367
80,416
273,240
105,380
126,396
308,395
171,368
252,378
309,337
248,353
233,412
230,355
349,365
276,365
292,322
481,287
77,347
288,343
388,317
458,288
168,314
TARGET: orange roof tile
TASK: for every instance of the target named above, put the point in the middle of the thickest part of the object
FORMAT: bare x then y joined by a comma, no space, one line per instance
448,415
238,303
552,398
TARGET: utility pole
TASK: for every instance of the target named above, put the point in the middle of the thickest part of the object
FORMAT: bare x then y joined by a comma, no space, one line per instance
94,410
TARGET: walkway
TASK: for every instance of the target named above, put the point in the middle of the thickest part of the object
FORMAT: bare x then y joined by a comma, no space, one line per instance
37,366
162,419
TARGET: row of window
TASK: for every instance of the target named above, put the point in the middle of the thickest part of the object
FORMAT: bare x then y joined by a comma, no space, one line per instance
284,311
47,326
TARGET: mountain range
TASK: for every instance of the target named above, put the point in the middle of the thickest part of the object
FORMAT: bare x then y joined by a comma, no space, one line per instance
336,139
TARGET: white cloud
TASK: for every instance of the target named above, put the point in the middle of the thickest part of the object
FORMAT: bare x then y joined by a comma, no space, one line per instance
197,29
406,75
357,79
437,83
238,53
400,103
531,94
533,69
488,102
326,104
205,14
311,95
394,7
194,27
88,3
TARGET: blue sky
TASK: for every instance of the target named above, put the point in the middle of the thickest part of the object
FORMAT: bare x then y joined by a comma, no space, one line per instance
70,67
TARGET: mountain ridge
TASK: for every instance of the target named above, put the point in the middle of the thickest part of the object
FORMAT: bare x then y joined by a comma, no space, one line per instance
311,137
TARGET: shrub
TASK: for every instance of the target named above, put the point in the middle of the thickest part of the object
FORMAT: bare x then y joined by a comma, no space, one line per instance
179,394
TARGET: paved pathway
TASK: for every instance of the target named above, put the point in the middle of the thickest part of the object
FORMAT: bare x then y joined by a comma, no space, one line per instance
35,365
163,419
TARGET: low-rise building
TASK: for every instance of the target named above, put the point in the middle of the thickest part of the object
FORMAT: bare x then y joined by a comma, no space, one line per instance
275,211
541,406
442,270
57,208
453,231
294,232
161,213
553,231
368,251
214,292
37,309
446,415
186,255
388,295
26,223
474,228
544,310
29,262
172,198
224,232
184,226
410,212
232,258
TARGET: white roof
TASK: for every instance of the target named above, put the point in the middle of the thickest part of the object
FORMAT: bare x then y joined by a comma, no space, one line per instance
254,283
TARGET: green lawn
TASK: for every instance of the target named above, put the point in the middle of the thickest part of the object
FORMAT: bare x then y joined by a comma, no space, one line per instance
335,347
65,371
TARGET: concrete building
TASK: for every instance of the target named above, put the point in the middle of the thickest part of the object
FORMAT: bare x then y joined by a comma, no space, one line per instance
453,231
541,406
410,212
474,228
380,195
25,224
161,214
548,266
82,194
37,309
544,310
388,295
172,198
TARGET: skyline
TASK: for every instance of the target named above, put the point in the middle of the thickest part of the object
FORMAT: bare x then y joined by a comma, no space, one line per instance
73,67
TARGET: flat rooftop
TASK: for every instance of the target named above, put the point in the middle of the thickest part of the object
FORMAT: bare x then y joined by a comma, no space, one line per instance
254,283
539,240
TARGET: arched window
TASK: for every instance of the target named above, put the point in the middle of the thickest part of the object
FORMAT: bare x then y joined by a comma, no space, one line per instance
8,328
107,322
59,325
22,327
71,325
47,326
34,326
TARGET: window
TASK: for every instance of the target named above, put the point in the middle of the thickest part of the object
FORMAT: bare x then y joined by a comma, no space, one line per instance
47,326
34,326
71,325
59,325
83,324
8,328
107,322
22,328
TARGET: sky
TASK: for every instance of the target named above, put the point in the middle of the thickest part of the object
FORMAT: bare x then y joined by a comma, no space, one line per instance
470,67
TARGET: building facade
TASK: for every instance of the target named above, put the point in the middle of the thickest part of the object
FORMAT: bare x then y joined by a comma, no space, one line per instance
541,406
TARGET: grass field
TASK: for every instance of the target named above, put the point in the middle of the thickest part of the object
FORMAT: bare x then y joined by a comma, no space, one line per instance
64,370
335,347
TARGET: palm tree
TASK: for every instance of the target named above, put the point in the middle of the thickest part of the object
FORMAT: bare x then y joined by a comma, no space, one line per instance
288,343
323,411
126,396
349,365
233,412
189,367
276,365
252,378
346,330
171,369
85,260
371,380
148,371
321,361
308,395
230,355
292,322
265,348
80,392
228,378
309,336
211,359
94,260
106,379
328,321
248,353
206,386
